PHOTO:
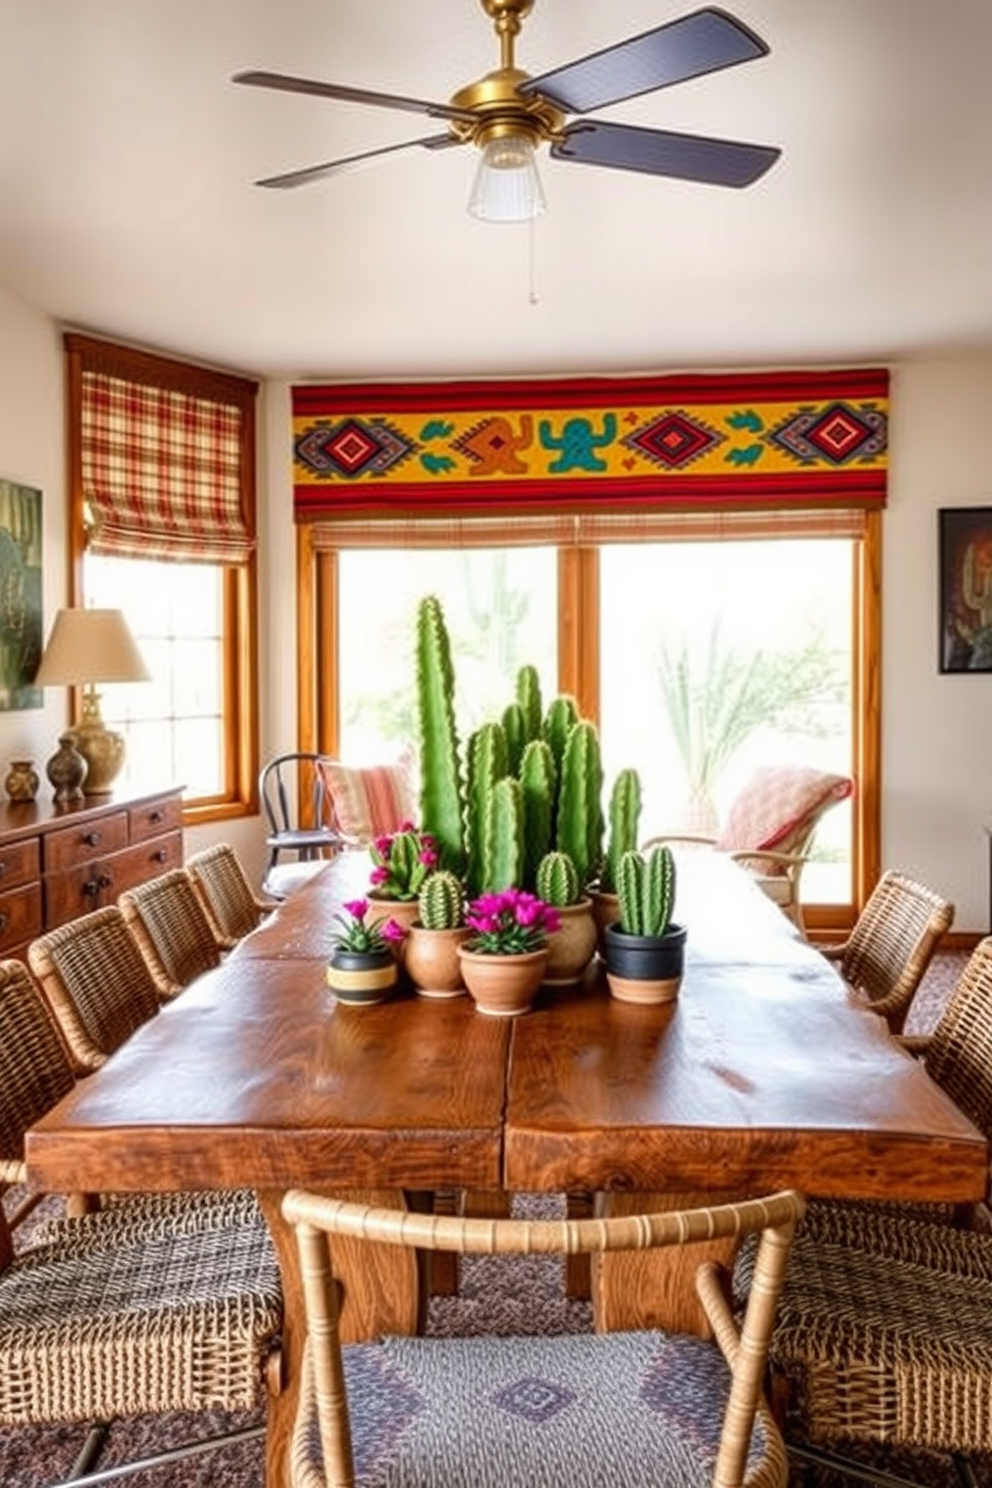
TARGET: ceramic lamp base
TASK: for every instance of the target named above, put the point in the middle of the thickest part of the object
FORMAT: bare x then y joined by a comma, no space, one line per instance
103,750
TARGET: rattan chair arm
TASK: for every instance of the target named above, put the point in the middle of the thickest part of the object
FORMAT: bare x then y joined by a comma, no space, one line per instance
13,1170
914,1043
711,1289
834,952
699,838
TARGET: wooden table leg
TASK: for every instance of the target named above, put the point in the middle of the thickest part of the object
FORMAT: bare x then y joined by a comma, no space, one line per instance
654,1289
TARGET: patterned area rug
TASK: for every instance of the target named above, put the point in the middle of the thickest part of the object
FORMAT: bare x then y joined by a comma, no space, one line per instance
496,1296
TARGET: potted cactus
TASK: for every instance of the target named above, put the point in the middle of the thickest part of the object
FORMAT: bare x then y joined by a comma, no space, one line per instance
645,949
571,946
431,957
624,820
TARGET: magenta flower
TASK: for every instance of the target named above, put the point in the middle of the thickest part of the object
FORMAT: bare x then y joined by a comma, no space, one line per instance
510,922
401,861
350,931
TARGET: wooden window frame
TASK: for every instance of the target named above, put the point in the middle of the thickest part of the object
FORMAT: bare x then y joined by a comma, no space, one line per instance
240,581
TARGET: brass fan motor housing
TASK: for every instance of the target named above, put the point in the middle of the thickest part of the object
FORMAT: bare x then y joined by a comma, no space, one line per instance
502,111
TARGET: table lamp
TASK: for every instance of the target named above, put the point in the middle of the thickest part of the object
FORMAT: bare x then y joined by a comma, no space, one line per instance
86,647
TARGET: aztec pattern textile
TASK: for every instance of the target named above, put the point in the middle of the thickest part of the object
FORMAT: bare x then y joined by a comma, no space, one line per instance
755,440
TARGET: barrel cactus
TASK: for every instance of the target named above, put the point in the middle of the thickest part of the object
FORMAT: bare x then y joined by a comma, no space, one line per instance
646,890
557,880
441,905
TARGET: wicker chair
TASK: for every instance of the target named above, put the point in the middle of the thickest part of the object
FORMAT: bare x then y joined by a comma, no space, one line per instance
770,827
672,1408
885,1328
229,901
96,984
893,942
172,931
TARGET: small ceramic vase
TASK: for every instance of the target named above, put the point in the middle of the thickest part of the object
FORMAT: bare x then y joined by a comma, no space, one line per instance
21,782
361,978
572,946
66,770
503,986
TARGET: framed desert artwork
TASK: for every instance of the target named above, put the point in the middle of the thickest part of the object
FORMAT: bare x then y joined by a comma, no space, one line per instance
20,596
965,546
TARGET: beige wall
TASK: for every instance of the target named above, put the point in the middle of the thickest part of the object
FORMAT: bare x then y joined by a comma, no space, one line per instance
936,758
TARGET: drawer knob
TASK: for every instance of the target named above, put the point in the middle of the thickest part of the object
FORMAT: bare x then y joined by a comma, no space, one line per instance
105,880
156,816
3,921
160,855
91,888
3,868
92,839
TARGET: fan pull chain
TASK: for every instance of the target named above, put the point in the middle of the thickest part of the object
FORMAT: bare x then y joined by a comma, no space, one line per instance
532,295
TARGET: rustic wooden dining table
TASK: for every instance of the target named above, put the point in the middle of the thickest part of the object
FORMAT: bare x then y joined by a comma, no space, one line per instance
761,1075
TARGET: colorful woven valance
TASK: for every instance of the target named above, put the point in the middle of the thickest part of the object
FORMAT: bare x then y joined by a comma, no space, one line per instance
751,440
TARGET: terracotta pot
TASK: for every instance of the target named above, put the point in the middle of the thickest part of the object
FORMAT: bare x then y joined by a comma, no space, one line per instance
571,948
503,986
645,968
361,978
431,960
605,911
403,911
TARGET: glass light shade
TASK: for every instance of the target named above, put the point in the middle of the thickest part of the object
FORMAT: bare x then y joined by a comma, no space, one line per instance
507,187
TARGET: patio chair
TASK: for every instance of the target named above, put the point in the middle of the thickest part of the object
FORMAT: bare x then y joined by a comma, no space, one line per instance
555,1410
229,901
886,956
171,929
302,831
770,827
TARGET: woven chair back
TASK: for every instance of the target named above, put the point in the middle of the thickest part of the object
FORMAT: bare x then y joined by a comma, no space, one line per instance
893,943
734,1419
228,899
96,983
171,929
34,1068
959,1051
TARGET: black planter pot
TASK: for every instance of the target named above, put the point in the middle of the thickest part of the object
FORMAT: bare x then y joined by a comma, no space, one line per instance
644,968
361,978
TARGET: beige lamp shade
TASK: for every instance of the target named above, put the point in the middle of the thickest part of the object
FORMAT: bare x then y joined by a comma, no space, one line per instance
86,647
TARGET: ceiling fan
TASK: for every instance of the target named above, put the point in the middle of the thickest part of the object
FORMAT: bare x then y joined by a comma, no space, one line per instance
507,113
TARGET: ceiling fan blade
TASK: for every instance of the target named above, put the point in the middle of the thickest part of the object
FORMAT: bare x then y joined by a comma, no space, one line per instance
286,84
705,41
317,172
691,157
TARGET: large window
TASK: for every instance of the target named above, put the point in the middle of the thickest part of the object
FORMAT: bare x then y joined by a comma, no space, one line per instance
774,622
162,463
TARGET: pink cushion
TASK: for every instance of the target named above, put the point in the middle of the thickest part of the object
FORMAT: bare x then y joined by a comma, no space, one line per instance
778,805
370,800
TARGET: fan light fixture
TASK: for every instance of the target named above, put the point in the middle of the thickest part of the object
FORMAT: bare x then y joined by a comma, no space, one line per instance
507,186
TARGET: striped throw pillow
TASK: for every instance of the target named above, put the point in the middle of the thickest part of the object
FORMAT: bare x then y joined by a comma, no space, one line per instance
369,800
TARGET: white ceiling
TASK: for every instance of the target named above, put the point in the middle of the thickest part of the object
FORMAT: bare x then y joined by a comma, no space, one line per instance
127,206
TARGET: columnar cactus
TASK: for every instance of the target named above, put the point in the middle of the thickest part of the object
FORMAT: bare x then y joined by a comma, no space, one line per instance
504,844
557,880
487,763
441,799
441,904
515,729
538,783
579,824
529,698
560,719
625,815
646,890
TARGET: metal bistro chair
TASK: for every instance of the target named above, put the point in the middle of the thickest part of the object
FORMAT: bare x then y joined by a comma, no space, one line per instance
300,816
229,901
171,929
132,1309
562,1410
770,827
886,956
885,1325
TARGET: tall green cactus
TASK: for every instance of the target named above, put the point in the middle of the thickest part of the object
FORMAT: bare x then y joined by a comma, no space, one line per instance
557,724
441,798
538,782
557,880
579,824
515,729
646,890
504,845
625,816
441,903
487,763
529,697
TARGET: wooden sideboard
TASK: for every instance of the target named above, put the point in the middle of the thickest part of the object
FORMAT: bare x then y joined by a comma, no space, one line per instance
58,862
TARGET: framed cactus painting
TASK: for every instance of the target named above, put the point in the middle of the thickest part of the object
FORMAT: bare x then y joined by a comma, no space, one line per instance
20,596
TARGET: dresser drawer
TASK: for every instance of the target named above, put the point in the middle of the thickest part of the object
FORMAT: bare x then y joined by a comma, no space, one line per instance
20,917
138,864
20,862
153,818
84,843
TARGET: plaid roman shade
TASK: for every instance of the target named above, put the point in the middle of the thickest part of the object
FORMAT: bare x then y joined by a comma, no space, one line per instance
166,457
